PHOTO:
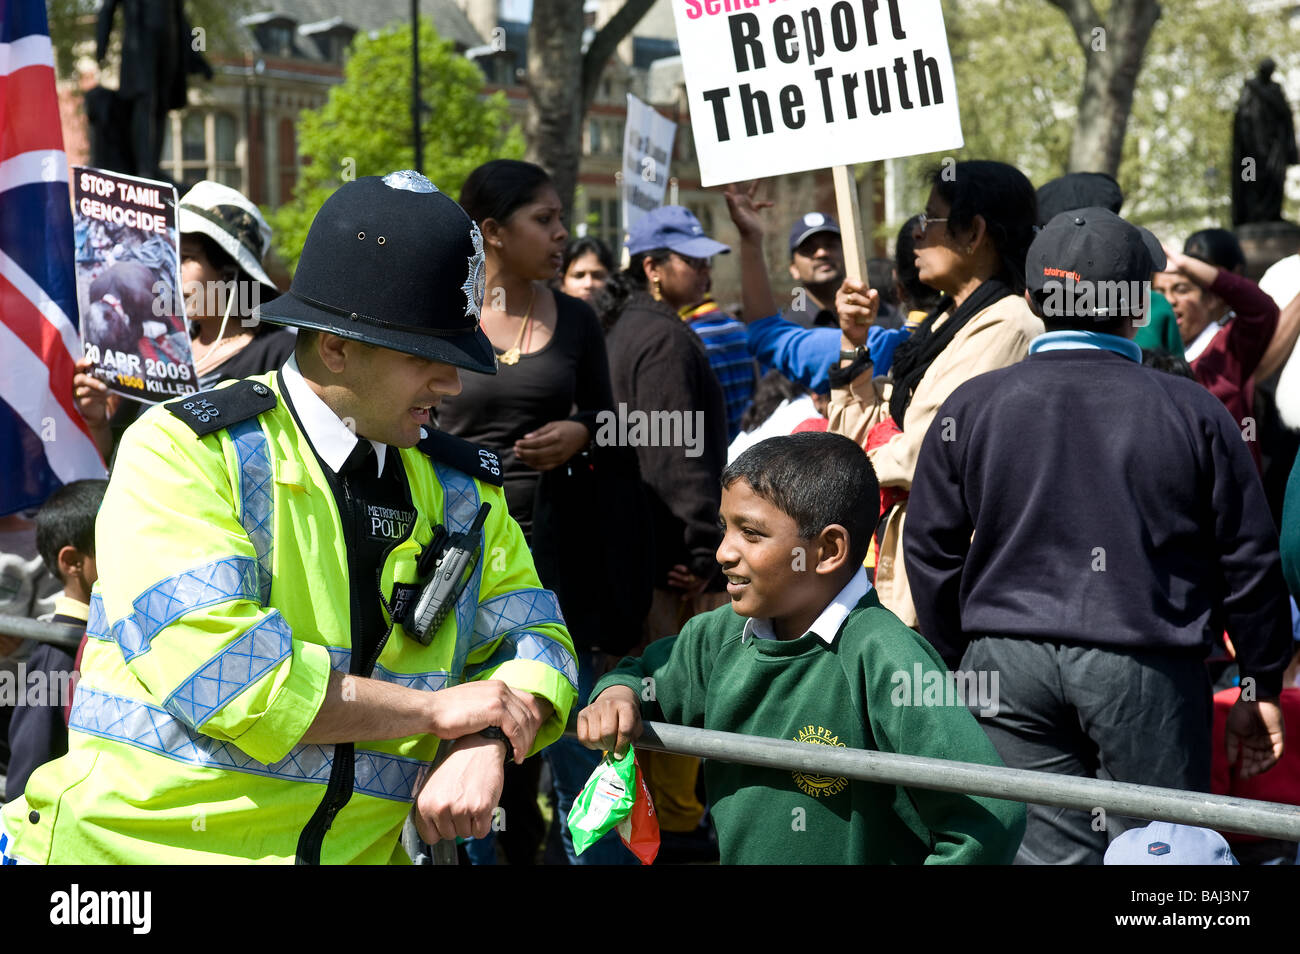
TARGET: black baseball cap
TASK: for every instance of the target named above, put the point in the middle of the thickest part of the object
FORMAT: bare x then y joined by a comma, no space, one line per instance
810,224
1093,245
395,263
1078,190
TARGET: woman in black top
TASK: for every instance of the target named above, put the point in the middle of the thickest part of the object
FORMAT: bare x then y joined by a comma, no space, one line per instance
537,412
539,409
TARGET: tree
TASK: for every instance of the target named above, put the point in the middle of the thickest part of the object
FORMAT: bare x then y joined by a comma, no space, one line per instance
364,128
557,66
1113,54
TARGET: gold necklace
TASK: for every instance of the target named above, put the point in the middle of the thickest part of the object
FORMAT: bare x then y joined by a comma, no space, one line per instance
512,355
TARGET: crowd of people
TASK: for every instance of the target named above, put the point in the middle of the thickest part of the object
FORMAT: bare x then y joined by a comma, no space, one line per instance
1036,448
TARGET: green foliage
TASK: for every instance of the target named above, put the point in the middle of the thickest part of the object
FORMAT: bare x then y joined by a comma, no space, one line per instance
364,128
1020,74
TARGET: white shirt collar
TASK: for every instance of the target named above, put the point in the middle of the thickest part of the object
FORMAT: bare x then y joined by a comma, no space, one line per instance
332,439
831,619
1201,341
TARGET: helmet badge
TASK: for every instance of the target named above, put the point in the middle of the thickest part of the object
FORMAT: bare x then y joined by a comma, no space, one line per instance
476,280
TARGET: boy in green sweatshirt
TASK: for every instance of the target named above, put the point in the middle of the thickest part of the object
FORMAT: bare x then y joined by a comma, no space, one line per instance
805,651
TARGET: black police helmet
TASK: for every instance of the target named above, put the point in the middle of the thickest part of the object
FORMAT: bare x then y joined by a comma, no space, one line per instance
395,263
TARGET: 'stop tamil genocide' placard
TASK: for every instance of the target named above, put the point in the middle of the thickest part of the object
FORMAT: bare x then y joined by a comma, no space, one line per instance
778,86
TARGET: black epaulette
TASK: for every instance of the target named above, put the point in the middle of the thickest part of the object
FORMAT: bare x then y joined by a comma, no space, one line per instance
210,411
471,459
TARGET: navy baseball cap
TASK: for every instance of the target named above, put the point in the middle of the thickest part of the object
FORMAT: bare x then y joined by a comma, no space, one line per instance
1094,245
672,227
1164,843
810,224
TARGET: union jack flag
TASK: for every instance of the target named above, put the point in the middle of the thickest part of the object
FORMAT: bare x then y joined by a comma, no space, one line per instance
44,442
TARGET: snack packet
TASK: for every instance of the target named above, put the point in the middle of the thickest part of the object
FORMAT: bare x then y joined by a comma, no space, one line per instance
616,797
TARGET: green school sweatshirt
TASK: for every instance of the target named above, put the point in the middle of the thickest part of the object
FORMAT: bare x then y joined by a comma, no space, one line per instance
857,692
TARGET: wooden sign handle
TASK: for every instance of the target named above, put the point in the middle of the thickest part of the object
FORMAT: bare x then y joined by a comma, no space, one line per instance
846,202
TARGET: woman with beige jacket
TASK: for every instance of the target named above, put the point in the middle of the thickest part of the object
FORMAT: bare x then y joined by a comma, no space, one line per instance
970,245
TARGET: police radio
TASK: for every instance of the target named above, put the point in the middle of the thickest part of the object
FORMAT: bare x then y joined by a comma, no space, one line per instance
453,558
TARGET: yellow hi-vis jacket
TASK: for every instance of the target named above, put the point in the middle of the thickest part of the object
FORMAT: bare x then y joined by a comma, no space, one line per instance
223,603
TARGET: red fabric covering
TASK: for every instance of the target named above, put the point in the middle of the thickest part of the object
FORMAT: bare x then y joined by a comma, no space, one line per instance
812,424
878,436
1281,783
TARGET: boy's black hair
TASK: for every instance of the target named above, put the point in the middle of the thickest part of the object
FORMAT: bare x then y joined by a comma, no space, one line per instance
816,479
67,519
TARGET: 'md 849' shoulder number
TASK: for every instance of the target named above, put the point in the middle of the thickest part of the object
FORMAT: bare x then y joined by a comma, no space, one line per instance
202,409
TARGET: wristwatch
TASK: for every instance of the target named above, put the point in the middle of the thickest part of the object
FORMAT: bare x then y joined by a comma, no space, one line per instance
857,353
495,732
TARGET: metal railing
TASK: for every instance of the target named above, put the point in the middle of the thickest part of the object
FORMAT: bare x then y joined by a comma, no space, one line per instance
62,635
1220,812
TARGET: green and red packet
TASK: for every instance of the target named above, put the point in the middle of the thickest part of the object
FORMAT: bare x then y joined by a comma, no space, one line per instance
616,797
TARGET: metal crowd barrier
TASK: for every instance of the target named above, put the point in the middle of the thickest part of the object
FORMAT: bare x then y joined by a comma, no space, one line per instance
62,635
1220,812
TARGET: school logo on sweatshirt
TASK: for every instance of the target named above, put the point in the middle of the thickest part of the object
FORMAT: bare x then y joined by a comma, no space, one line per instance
819,785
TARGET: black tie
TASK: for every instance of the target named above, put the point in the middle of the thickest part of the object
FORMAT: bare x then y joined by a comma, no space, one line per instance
363,455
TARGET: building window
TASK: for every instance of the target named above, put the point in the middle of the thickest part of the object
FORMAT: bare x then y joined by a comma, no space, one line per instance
593,138
286,150
604,221
209,149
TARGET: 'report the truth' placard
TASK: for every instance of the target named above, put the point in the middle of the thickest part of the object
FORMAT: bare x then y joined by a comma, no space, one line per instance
779,86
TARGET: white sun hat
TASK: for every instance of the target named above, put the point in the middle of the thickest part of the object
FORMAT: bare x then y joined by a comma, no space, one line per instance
229,219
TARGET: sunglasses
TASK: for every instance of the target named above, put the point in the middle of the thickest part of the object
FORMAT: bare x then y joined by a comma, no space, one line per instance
924,221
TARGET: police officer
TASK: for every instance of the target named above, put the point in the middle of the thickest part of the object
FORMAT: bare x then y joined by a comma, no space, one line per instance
256,686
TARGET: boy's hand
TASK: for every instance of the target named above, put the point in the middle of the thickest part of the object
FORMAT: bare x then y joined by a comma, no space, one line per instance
612,722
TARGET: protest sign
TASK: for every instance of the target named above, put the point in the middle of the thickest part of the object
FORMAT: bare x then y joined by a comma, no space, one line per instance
128,285
780,86
647,147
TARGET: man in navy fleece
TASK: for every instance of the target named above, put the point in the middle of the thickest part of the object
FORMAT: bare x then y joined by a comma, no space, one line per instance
1083,526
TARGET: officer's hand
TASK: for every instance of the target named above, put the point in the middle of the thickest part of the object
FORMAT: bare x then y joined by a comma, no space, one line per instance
552,444
613,721
462,710
457,800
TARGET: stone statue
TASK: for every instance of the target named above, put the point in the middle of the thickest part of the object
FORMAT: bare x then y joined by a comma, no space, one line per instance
1263,145
157,55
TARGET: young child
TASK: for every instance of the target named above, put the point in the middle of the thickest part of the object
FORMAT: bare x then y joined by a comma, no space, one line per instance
65,537
806,652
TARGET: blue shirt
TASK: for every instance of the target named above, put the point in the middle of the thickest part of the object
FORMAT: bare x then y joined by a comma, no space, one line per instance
727,345
806,355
